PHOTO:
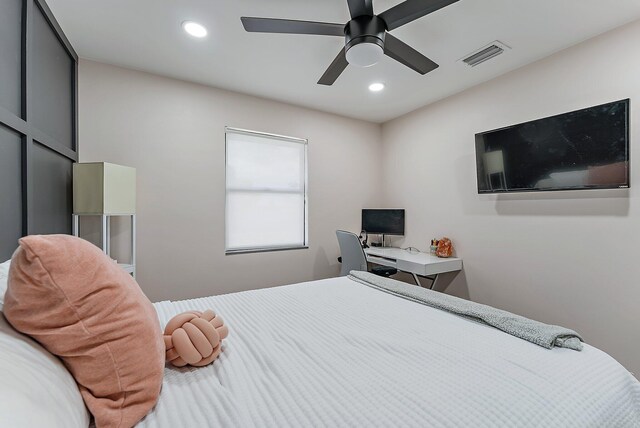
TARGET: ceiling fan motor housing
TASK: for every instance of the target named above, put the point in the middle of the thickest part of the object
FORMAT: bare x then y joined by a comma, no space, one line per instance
366,35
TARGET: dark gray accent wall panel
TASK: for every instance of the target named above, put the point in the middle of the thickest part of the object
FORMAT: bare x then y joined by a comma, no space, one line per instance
52,192
38,123
10,191
11,56
51,75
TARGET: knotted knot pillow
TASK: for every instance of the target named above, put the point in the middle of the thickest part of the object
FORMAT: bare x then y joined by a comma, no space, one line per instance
194,338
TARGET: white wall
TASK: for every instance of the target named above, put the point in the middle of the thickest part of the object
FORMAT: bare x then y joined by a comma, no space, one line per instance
569,258
173,133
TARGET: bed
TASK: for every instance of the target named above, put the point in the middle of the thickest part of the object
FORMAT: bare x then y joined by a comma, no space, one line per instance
342,352
337,353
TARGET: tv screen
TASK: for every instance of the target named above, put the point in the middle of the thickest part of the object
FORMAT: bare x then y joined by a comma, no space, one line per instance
383,222
584,149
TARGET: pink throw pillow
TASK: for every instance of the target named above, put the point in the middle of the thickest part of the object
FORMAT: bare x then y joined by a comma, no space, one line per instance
81,306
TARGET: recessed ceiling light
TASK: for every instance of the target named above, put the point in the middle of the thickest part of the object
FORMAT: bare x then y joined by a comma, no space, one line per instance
194,29
376,87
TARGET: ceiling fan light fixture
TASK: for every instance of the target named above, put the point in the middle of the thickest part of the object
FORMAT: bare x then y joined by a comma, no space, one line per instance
364,54
376,87
194,29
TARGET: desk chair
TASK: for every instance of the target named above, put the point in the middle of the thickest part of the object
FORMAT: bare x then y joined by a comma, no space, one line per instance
353,257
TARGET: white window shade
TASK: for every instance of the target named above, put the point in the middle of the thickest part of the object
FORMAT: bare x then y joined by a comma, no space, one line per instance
266,179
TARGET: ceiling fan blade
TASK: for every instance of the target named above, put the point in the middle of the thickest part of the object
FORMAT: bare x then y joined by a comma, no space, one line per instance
405,54
290,26
335,69
360,7
410,10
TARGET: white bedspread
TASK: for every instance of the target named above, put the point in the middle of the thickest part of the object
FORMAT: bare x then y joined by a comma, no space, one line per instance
340,354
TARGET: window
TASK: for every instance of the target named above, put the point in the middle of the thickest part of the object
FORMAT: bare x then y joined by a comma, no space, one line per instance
266,202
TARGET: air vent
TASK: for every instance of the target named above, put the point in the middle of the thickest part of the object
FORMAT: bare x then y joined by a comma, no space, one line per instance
485,54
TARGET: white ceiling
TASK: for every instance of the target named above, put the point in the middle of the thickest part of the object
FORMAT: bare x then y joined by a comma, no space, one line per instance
146,35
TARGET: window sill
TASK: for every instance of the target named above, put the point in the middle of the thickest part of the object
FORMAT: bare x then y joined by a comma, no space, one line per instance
263,250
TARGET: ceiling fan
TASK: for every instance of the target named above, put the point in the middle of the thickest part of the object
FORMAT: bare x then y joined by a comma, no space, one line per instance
366,34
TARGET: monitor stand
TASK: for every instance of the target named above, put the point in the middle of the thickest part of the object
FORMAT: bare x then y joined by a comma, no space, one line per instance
381,243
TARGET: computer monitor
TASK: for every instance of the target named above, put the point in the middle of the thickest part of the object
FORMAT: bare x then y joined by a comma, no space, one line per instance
383,221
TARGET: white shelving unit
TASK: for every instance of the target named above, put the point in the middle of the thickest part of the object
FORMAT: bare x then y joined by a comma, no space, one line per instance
105,190
106,237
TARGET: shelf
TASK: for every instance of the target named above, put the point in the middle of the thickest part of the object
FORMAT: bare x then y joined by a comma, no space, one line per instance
127,267
106,237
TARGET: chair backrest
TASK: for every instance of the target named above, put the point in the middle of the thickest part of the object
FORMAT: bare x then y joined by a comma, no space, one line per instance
353,257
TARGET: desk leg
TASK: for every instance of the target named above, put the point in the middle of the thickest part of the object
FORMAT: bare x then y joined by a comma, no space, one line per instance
443,280
416,279
431,278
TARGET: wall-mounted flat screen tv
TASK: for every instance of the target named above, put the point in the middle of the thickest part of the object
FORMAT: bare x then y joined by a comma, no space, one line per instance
584,149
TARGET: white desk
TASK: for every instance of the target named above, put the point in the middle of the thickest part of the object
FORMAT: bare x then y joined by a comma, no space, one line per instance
417,264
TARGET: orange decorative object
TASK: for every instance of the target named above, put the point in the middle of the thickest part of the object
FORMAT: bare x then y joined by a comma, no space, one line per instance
194,338
445,248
